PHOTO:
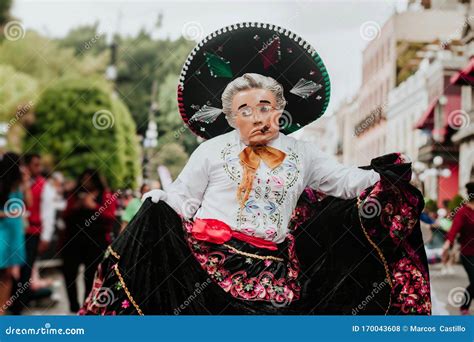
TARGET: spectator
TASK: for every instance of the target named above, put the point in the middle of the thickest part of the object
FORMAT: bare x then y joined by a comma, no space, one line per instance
463,225
89,217
133,206
40,226
14,195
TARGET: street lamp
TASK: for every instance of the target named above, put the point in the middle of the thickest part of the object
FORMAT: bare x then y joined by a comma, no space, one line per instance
436,171
438,161
419,175
151,136
111,70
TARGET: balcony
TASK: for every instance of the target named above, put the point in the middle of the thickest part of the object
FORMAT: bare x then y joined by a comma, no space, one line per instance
448,151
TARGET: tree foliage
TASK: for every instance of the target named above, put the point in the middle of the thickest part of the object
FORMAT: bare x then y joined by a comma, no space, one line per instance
80,124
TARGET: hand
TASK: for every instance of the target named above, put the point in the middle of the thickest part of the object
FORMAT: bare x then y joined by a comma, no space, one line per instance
43,246
445,252
15,272
25,175
155,195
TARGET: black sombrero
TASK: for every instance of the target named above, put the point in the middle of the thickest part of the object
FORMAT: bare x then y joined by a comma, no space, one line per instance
250,47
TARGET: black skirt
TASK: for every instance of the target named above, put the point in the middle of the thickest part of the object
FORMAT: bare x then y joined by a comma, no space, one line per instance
342,257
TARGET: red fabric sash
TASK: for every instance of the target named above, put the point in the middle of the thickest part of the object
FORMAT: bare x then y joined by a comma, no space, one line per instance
216,231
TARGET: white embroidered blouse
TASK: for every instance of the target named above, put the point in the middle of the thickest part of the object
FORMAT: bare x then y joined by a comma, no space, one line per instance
207,186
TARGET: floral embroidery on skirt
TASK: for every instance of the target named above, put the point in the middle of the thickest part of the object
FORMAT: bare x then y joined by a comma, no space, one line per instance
248,277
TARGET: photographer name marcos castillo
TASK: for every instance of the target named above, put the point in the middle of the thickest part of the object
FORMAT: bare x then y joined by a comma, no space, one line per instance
441,328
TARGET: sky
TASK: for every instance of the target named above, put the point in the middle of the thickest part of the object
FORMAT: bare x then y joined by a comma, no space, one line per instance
333,27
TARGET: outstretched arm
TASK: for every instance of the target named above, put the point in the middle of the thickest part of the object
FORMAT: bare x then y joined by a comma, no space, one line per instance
185,194
324,173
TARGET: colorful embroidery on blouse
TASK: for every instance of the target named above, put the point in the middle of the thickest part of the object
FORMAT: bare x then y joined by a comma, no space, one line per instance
261,214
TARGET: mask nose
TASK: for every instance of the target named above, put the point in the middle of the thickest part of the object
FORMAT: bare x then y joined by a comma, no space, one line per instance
257,119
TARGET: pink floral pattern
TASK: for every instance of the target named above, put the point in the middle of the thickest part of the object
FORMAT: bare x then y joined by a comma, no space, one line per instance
397,212
264,284
411,290
93,305
107,290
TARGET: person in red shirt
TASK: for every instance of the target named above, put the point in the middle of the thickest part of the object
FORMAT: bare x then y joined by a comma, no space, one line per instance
39,231
463,225
89,218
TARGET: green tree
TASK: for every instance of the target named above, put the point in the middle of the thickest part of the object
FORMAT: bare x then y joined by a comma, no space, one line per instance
173,156
85,39
44,60
170,126
80,124
141,60
5,6
17,100
18,89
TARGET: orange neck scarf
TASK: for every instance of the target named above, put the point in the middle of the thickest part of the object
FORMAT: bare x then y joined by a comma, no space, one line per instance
250,160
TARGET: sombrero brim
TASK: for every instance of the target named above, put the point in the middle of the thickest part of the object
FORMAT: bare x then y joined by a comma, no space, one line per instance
250,47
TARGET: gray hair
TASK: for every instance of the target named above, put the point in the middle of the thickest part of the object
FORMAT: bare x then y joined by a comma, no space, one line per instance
250,81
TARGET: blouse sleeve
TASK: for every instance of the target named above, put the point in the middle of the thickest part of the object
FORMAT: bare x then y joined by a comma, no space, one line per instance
185,194
327,175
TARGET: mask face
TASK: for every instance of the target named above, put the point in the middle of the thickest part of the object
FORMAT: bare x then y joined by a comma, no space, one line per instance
255,116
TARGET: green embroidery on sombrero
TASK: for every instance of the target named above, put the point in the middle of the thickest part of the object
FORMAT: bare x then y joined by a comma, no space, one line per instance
218,66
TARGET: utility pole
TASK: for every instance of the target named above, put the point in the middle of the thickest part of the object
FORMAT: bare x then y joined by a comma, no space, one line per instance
151,136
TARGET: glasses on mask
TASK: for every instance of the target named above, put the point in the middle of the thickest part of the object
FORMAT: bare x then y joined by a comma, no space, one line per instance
263,110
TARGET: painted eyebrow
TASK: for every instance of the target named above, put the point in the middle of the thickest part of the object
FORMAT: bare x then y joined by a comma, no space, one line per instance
261,101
